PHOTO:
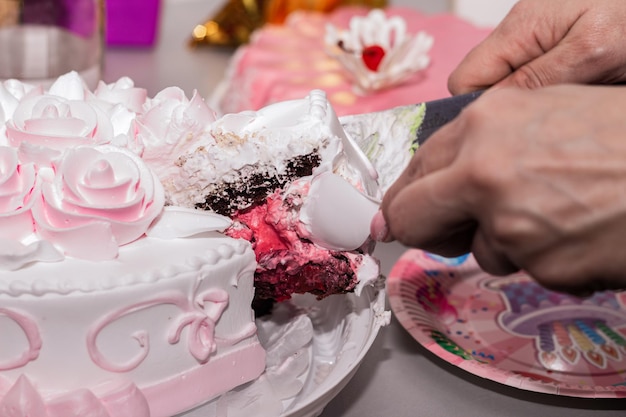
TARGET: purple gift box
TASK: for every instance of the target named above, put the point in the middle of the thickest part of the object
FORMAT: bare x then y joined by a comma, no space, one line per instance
132,22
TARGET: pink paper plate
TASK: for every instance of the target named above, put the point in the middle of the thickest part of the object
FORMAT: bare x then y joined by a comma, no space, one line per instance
510,329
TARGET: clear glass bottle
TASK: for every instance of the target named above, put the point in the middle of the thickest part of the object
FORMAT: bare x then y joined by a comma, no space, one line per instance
41,40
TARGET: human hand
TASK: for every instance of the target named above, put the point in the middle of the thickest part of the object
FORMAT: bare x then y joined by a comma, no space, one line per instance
541,43
532,180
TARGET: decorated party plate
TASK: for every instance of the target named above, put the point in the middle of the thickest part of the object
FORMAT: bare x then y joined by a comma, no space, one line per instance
510,329
314,347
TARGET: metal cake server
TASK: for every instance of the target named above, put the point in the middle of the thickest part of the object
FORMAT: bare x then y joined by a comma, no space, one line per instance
338,215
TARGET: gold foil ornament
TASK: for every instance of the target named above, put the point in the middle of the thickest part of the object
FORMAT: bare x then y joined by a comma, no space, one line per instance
234,23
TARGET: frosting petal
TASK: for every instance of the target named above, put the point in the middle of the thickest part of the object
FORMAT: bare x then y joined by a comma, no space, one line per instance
177,222
123,92
80,403
14,255
18,187
126,401
70,86
22,400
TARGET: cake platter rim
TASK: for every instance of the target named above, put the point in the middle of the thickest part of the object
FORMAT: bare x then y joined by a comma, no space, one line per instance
439,334
368,320
368,313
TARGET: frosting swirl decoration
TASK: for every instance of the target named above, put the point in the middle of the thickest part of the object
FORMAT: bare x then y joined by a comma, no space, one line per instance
74,177
44,125
98,199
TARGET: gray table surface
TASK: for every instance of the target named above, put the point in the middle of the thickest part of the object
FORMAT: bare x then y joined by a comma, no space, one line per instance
398,377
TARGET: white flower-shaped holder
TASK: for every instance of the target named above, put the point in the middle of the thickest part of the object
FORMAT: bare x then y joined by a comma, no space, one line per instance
377,52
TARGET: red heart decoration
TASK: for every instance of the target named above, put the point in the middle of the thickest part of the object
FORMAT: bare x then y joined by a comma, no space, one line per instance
569,354
611,351
372,55
547,359
596,359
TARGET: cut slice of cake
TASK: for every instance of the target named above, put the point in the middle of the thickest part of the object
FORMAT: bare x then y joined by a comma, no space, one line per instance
258,169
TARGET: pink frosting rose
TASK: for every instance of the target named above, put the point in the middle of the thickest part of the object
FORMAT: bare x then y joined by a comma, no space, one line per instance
97,199
18,190
170,116
171,123
43,126
123,92
122,102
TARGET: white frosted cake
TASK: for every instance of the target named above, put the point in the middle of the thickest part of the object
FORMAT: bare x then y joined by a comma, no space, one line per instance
120,295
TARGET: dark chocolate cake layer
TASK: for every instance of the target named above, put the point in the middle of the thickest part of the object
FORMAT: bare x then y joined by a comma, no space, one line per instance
252,189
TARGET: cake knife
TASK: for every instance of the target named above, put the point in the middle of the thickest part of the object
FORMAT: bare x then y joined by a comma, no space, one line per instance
389,137
337,214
